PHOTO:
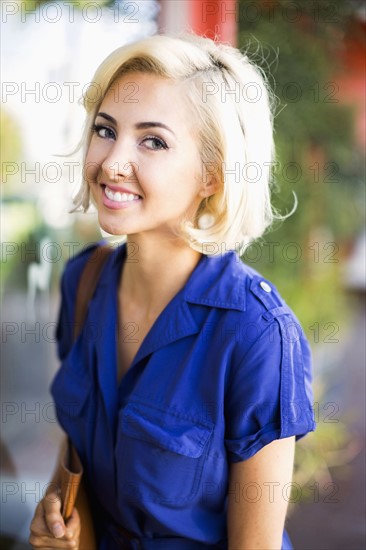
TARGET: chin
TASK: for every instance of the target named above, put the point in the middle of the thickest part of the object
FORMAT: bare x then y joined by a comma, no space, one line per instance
112,229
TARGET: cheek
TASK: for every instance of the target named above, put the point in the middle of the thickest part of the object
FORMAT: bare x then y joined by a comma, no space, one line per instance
91,166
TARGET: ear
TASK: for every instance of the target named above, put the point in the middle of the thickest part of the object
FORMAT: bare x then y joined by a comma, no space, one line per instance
212,186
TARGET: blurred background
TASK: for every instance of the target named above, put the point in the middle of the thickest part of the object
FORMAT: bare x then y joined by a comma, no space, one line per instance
313,53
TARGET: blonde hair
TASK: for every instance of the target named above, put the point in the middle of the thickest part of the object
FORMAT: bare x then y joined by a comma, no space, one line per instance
232,102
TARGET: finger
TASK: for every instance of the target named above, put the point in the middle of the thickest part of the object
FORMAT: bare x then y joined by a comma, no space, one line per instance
73,525
52,515
52,501
50,542
38,526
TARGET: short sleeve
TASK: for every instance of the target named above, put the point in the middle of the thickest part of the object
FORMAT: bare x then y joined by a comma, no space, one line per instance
269,394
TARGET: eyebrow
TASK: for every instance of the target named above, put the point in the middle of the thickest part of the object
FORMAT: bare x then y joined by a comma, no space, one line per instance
107,117
139,125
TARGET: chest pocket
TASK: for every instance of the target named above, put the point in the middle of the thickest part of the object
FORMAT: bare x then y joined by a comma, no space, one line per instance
163,454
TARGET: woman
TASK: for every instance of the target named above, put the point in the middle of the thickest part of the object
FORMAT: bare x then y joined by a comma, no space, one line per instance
189,398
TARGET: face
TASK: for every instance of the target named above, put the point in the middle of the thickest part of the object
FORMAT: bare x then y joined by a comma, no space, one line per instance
143,164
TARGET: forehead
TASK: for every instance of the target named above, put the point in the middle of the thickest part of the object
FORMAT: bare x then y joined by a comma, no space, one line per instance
143,94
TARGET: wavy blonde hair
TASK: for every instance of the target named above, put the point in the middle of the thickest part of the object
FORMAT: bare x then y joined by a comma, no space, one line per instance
230,98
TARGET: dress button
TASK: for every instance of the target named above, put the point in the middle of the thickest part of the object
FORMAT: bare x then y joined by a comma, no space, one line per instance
265,286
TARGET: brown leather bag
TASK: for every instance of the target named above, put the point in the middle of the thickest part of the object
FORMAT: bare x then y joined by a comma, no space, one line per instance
70,470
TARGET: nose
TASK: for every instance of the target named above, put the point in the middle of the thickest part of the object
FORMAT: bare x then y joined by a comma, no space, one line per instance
117,164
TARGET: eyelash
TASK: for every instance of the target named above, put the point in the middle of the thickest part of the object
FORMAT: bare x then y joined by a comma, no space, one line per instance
159,140
96,128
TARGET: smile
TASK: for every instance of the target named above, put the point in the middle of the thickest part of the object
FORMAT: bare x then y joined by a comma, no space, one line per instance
120,197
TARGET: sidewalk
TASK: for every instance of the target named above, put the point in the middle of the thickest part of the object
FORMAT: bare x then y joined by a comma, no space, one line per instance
340,525
29,434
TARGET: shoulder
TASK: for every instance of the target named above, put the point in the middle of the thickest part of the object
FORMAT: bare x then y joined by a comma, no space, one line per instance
246,302
72,273
265,305
261,292
69,284
75,264
252,293
263,322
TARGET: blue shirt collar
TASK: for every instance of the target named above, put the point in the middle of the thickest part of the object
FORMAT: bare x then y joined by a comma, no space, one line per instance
216,281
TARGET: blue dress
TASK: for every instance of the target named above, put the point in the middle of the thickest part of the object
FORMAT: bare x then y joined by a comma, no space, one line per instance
224,370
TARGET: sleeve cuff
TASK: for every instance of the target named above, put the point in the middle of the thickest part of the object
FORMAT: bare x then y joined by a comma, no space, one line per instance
242,449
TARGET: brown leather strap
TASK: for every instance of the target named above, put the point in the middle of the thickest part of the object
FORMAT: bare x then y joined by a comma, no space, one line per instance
88,283
71,474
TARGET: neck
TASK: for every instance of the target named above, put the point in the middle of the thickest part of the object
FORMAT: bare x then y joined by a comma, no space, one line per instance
155,270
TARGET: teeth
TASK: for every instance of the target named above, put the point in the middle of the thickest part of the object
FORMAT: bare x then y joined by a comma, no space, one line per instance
120,197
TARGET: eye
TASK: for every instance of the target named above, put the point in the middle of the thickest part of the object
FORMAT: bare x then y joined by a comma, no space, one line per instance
103,131
155,143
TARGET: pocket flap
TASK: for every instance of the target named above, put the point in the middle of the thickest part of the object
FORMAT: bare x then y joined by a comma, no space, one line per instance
166,429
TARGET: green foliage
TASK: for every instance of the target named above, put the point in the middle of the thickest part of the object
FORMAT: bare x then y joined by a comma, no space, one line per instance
317,456
316,153
32,4
10,141
319,161
10,147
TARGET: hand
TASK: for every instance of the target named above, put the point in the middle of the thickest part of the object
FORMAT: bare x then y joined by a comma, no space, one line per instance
48,529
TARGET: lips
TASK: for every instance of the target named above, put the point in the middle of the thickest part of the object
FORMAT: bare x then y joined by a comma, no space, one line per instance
119,189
